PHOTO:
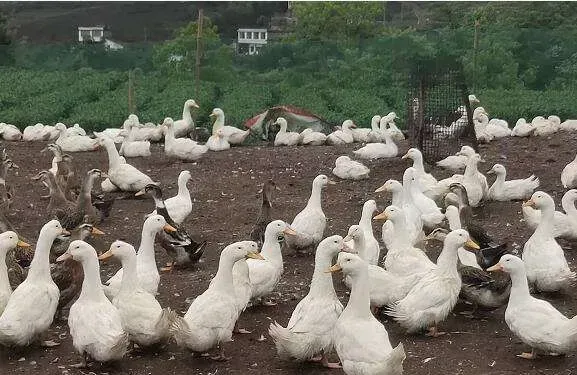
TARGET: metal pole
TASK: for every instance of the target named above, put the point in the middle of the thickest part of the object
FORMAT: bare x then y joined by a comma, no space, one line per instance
475,47
197,64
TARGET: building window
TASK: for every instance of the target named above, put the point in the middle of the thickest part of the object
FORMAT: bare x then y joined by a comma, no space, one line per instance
97,34
254,35
242,35
85,35
262,36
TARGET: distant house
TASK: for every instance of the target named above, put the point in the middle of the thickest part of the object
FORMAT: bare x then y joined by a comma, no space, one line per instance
250,41
91,34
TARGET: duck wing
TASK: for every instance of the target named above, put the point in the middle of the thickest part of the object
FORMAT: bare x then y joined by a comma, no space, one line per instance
477,278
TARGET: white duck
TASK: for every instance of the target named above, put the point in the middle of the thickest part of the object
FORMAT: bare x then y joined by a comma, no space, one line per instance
312,138
141,132
389,120
284,137
218,141
75,130
361,341
434,296
502,190
147,271
185,125
375,134
547,268
348,169
402,257
564,224
39,132
498,128
457,162
310,223
117,134
31,307
522,128
385,287
378,150
568,125
74,143
362,134
211,317
10,132
426,181
480,122
233,135
474,181
131,148
543,126
466,257
535,321
371,250
265,274
180,148
309,331
142,317
123,175
179,206
569,175
95,324
430,213
342,136
8,242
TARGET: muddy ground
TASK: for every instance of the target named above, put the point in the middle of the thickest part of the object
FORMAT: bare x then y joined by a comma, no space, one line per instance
225,189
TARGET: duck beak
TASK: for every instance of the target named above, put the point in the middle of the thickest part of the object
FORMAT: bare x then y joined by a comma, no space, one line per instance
405,156
212,115
103,175
347,239
529,203
289,230
490,171
169,228
496,267
105,255
382,216
96,231
345,248
382,188
331,182
196,106
335,268
254,256
22,244
65,232
139,193
64,257
472,244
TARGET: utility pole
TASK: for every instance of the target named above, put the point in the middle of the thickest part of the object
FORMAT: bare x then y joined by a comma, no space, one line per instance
197,64
475,47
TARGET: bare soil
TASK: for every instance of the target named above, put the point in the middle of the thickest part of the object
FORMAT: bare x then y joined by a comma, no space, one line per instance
225,189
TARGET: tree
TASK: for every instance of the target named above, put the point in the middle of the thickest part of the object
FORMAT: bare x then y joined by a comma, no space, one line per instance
347,21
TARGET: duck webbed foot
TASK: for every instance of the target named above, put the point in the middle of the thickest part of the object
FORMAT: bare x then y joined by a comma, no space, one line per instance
525,355
83,363
220,357
434,332
168,268
325,362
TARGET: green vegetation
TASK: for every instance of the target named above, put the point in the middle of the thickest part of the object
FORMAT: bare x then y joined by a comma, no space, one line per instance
343,60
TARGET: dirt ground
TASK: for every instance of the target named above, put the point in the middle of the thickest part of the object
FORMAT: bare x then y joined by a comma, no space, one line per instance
225,189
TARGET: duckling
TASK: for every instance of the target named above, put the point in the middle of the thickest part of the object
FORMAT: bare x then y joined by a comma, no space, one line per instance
310,329
265,217
312,138
311,221
142,317
68,274
283,137
179,206
184,149
218,141
95,324
348,169
8,241
31,307
211,317
178,245
503,190
361,341
431,300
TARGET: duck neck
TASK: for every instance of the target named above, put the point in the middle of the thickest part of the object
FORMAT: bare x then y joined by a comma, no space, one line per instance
397,199
182,189
447,260
92,285
322,282
223,278
360,247
545,226
4,280
399,241
169,135
453,219
84,199
40,265
186,115
366,219
283,127
271,249
471,168
568,205
418,164
519,287
113,157
146,249
56,194
129,274
218,123
315,198
375,125
500,180
359,304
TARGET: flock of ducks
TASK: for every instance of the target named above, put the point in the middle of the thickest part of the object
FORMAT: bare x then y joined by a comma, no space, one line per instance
105,317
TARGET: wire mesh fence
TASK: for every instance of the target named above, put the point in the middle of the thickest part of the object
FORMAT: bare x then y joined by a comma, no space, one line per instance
439,113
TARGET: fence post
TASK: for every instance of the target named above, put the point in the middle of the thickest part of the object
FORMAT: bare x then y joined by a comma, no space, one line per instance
131,102
475,47
197,63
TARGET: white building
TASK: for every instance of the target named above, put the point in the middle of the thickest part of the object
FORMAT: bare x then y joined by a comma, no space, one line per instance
91,34
251,40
